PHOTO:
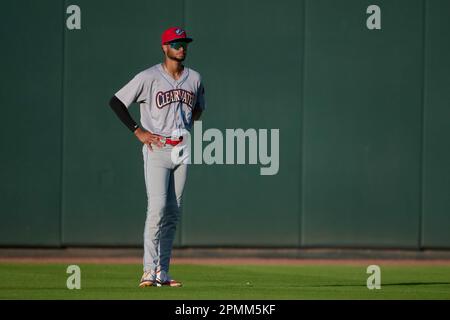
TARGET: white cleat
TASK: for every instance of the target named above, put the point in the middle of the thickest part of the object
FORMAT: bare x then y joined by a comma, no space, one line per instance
163,279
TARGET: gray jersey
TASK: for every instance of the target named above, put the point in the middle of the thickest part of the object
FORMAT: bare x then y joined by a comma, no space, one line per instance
166,104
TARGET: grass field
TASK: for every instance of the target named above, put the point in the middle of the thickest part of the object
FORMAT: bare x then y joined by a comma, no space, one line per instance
102,281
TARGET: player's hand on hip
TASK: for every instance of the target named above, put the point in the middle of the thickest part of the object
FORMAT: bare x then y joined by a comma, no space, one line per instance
148,138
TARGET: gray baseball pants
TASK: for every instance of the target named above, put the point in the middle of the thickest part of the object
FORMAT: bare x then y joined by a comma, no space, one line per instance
164,182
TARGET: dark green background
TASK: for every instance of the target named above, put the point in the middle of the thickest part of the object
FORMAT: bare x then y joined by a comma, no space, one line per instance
363,118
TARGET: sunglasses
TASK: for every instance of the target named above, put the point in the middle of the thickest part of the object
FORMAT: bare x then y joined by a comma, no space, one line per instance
178,45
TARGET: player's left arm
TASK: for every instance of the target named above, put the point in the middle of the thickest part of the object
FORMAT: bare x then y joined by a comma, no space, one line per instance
200,104
197,113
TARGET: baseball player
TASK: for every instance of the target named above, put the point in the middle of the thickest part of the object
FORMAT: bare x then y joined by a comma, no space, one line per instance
171,97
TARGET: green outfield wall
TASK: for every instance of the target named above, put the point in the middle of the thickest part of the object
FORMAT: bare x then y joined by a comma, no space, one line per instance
363,117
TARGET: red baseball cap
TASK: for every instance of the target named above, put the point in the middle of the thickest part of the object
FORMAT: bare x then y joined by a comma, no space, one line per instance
174,33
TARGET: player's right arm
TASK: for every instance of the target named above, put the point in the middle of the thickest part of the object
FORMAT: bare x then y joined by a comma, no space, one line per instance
124,115
134,91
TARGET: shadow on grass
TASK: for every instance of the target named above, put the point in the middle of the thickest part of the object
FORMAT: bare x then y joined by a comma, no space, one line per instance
415,283
389,284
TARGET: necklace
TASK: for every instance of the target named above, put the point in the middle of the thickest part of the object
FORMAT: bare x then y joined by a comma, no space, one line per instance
173,75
